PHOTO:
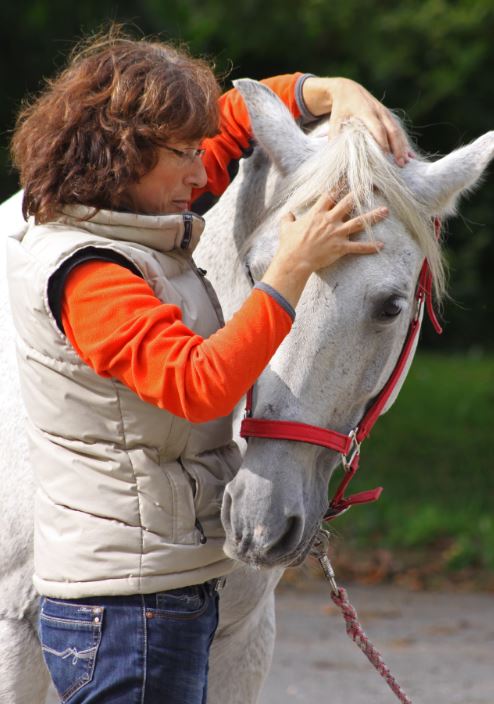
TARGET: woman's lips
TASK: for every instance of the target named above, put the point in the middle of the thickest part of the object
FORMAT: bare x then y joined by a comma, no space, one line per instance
181,204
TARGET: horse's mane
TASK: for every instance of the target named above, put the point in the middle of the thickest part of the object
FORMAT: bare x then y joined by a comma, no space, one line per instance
354,162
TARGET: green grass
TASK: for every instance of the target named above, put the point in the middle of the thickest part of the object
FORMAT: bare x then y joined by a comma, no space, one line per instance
433,453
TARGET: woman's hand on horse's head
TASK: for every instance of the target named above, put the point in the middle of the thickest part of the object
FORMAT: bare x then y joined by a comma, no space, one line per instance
344,98
316,240
320,237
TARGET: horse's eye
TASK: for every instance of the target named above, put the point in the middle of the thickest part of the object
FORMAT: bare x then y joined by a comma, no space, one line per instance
390,309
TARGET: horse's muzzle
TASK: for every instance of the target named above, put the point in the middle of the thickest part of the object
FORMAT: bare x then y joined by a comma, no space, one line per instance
280,545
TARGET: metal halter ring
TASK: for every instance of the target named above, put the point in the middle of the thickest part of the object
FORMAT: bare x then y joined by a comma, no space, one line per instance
347,460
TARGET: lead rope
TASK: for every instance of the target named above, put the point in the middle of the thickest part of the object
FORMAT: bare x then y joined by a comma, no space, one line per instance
357,634
354,629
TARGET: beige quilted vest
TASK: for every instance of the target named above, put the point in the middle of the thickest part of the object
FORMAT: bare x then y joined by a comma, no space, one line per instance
124,488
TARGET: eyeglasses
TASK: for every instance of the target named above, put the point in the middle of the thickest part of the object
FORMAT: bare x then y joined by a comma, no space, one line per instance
186,155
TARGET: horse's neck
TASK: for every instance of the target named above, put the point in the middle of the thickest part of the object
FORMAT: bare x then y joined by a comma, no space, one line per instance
237,214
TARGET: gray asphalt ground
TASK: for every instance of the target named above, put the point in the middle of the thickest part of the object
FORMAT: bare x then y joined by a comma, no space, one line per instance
440,647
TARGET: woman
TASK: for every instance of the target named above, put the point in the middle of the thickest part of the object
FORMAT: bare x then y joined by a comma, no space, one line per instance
128,376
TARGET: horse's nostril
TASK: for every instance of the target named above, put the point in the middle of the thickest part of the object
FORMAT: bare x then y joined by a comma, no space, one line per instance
290,539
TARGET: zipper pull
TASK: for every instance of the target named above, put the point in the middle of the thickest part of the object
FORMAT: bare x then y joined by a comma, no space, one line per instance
203,540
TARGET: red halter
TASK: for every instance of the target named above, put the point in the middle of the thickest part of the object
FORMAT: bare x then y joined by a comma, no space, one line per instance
349,445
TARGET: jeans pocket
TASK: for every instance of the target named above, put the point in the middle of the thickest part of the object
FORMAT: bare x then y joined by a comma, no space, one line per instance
184,603
70,635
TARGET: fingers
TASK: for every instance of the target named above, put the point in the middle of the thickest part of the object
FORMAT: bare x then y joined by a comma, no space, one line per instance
397,139
325,202
389,135
335,215
351,227
376,127
340,210
329,203
363,247
383,127
343,208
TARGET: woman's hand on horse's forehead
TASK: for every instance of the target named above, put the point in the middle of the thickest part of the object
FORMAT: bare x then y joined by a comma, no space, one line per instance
321,236
317,240
344,98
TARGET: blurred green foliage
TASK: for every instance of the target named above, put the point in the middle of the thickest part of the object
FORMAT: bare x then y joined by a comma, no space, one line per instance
433,454
432,59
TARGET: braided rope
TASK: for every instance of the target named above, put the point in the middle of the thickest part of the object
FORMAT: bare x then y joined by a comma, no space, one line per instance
357,634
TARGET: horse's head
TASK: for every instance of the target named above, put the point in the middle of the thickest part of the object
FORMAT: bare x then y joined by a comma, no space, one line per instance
351,322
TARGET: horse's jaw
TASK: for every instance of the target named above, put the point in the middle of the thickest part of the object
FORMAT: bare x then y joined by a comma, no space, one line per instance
266,527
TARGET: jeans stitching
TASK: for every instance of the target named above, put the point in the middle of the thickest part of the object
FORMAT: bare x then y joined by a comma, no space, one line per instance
77,654
83,625
70,604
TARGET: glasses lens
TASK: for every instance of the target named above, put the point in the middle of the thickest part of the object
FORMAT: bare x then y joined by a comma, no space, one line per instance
188,154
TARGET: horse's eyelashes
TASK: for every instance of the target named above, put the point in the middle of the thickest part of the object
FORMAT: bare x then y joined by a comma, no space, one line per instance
390,308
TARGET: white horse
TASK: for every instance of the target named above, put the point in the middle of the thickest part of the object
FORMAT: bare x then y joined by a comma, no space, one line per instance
350,327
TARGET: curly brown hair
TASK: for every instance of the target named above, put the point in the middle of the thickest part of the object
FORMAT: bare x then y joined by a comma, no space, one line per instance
95,127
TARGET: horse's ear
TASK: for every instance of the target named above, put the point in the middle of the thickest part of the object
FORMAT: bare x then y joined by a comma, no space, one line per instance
273,126
438,184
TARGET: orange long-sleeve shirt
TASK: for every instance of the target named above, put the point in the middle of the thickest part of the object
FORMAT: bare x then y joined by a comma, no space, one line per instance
122,330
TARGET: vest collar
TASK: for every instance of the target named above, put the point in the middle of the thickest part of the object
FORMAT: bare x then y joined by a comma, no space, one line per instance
160,232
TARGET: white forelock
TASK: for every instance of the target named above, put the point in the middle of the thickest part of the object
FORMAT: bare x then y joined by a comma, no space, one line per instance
353,162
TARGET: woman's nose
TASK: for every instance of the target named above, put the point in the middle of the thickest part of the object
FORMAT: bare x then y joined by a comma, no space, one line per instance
196,176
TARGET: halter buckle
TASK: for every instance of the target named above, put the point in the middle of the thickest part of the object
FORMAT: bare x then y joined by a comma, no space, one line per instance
419,304
348,459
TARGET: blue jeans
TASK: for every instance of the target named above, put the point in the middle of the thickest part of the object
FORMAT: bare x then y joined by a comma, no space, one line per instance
141,649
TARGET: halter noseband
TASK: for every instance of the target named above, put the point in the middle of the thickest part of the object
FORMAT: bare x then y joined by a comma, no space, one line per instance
348,446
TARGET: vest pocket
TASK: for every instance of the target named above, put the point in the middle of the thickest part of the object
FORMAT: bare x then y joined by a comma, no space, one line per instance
180,505
70,636
209,473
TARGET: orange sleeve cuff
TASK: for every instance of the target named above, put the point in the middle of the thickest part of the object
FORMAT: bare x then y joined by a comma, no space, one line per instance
121,330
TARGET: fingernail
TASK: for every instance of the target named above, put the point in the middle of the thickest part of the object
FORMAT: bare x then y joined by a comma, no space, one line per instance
379,245
401,161
383,211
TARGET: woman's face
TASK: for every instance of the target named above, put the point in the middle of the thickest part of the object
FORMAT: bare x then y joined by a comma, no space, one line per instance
167,188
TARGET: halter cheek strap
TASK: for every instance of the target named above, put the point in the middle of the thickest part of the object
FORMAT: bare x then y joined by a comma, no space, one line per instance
348,446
